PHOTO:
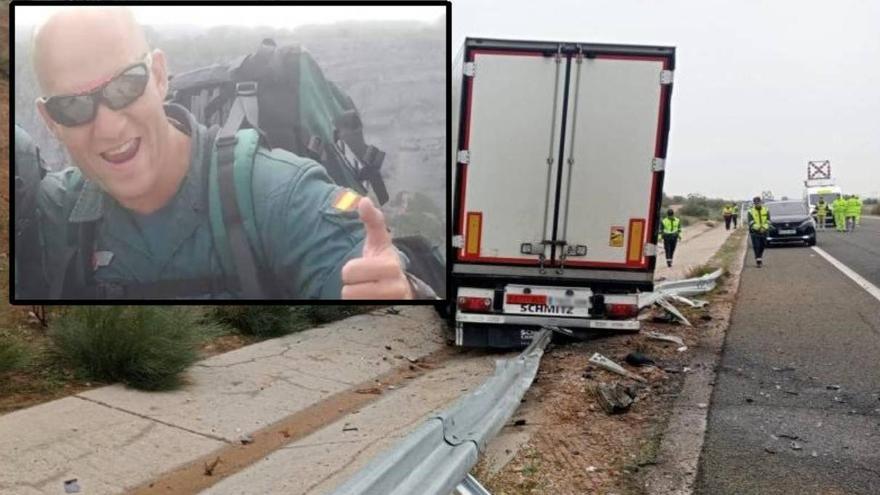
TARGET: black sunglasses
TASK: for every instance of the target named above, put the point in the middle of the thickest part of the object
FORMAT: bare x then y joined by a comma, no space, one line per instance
117,93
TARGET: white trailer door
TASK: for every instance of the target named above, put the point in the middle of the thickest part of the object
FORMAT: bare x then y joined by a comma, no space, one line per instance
609,181
513,118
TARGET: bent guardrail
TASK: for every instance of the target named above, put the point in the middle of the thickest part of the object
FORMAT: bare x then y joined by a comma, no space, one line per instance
437,457
689,286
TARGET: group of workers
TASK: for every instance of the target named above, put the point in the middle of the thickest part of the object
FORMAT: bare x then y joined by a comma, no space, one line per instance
846,211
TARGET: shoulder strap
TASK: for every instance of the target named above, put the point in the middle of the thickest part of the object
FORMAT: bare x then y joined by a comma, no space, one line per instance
230,207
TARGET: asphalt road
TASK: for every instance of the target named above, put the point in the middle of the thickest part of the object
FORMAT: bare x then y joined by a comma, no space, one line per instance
859,250
778,423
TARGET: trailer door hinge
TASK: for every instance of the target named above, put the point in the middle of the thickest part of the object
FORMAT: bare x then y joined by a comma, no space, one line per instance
469,69
666,77
458,241
464,156
650,249
658,164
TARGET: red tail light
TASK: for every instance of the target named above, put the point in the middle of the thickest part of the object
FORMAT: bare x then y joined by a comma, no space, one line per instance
475,304
621,311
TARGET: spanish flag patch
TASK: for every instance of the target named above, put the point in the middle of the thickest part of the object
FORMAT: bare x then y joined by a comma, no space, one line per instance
346,200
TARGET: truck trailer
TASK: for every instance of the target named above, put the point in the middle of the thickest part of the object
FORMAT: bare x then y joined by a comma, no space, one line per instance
559,152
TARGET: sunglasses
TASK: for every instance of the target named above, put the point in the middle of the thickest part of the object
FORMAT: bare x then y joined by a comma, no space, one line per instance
117,93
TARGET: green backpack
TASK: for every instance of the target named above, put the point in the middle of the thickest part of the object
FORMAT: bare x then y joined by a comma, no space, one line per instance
279,97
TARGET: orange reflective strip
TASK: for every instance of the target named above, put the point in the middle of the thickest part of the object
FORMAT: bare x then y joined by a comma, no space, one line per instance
474,231
636,243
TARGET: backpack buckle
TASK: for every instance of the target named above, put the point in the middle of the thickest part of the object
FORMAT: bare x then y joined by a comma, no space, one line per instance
246,88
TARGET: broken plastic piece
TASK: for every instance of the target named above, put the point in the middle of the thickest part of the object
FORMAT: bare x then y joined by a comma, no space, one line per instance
71,486
610,365
662,336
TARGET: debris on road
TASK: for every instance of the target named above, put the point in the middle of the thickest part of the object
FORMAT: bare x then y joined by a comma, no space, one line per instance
672,309
392,311
770,450
786,368
369,390
519,422
71,486
638,359
694,303
246,439
610,365
788,436
614,398
209,467
348,427
664,337
796,446
833,387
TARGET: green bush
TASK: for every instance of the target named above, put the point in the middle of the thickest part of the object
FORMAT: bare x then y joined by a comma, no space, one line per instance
260,321
326,314
145,347
274,321
13,355
694,210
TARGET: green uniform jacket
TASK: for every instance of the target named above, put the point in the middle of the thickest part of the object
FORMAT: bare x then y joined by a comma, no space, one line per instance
304,240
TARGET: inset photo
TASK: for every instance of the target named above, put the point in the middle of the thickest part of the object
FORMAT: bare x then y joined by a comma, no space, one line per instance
229,152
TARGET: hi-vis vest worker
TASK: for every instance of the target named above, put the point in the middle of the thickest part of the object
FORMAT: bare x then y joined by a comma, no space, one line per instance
727,211
671,225
759,220
839,210
759,225
670,233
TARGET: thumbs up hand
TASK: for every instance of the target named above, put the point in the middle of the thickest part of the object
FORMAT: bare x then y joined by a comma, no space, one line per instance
377,274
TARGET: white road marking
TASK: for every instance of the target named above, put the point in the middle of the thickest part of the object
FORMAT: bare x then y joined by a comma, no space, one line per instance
868,286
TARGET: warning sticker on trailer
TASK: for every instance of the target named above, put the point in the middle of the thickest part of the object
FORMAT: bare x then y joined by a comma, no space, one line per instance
616,237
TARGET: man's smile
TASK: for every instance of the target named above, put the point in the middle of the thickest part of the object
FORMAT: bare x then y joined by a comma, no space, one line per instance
122,153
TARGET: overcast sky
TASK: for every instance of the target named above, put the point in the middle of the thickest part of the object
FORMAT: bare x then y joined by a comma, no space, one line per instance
263,15
761,87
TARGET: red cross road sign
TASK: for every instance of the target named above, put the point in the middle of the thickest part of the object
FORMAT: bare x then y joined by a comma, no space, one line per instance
819,169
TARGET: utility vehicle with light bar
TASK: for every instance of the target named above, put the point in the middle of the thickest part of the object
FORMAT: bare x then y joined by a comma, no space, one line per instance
558,160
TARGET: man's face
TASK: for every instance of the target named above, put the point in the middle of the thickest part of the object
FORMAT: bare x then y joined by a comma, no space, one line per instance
122,150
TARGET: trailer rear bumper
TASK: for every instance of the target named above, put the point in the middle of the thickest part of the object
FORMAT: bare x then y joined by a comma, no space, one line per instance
525,320
516,331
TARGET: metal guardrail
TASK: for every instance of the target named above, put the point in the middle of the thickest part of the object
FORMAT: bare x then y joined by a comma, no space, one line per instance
436,458
689,286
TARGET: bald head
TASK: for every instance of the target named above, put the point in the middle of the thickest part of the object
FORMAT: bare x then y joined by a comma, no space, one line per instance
84,37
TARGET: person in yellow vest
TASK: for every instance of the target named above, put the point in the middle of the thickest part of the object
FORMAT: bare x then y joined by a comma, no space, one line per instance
729,213
670,233
839,210
759,225
821,213
853,209
858,209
